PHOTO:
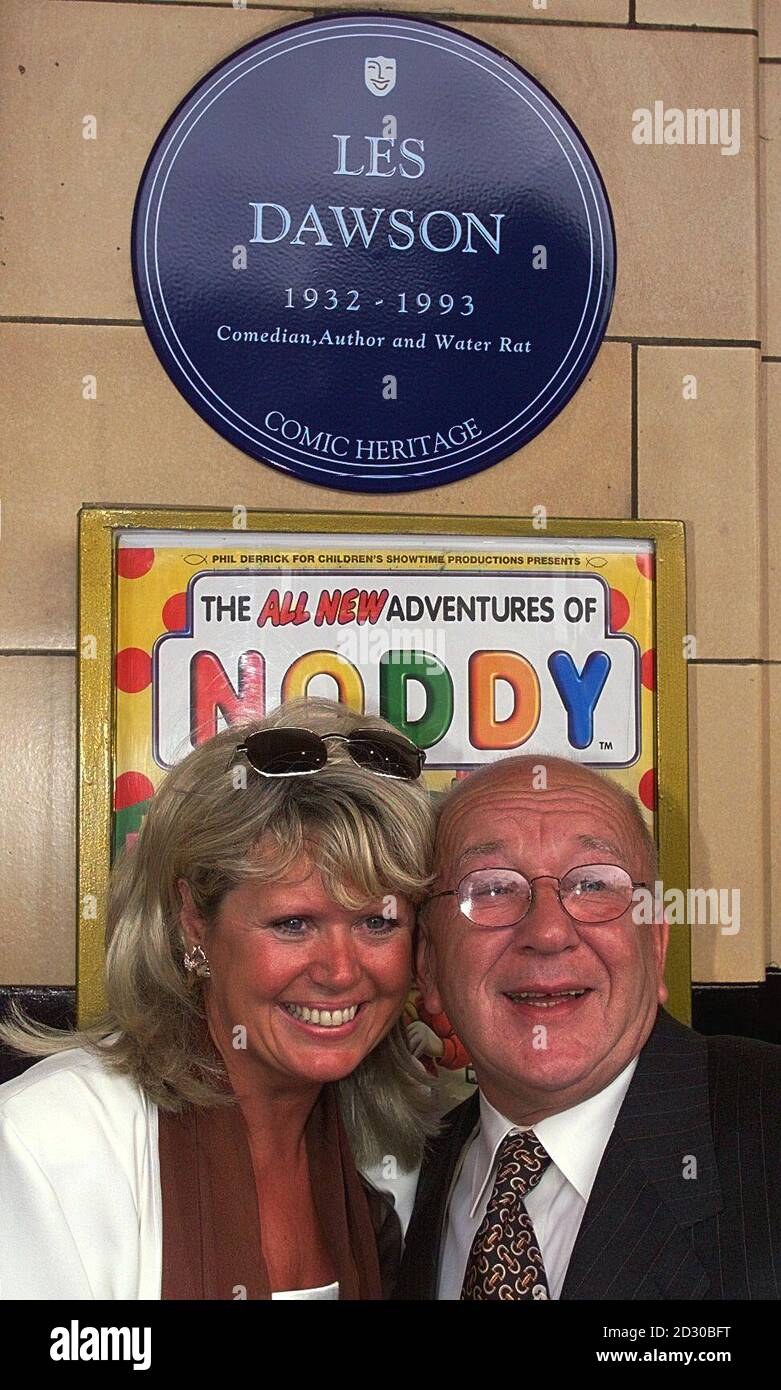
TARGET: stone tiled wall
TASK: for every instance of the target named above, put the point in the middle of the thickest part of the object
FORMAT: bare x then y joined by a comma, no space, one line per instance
769,451
699,292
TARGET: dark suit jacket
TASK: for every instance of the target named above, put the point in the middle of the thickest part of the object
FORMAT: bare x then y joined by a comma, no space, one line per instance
649,1232
387,1230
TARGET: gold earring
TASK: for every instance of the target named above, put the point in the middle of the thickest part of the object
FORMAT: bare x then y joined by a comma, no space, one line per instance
196,960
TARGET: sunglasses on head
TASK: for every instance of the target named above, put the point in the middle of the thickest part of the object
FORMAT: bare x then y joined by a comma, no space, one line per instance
298,752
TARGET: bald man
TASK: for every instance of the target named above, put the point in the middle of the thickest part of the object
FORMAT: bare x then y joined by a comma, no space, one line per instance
610,1152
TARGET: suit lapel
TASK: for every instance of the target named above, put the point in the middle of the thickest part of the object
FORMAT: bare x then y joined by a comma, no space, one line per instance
657,1178
630,1245
426,1232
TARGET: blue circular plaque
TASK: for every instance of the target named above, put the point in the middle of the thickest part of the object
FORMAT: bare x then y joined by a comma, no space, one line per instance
373,252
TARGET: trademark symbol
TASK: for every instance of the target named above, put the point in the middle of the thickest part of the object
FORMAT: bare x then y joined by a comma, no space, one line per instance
605,744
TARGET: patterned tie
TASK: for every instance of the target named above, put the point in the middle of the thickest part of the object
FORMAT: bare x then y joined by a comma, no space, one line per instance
505,1260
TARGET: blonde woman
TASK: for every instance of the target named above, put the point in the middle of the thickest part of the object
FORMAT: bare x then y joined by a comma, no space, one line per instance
200,1141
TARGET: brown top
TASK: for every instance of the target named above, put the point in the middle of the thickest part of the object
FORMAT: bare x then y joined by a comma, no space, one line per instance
212,1246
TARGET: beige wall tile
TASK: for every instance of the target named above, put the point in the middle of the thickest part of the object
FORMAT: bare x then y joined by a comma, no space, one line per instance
140,442
770,206
727,817
680,211
538,11
698,460
69,201
770,511
773,677
601,11
769,28
709,14
38,825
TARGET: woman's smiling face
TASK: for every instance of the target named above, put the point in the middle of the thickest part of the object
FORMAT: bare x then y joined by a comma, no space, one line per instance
315,985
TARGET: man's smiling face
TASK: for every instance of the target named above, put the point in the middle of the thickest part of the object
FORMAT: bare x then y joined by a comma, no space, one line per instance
550,1009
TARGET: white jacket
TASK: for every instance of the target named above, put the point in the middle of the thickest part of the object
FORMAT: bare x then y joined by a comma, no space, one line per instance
80,1199
80,1194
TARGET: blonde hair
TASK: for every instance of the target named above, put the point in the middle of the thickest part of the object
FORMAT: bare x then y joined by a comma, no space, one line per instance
369,836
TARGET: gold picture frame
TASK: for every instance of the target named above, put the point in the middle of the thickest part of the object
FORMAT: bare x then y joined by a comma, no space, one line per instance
98,528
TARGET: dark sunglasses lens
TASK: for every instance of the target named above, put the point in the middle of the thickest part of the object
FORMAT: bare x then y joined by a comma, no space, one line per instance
389,756
280,752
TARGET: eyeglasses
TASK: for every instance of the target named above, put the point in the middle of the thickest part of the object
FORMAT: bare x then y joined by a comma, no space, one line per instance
588,893
299,752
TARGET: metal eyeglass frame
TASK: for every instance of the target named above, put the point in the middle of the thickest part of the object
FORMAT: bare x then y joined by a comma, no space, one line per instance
491,868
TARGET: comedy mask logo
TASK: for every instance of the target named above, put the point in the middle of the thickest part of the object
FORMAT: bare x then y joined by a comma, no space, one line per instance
380,75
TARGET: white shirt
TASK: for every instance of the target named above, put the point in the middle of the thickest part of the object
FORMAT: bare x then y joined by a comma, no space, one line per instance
575,1139
324,1291
80,1195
